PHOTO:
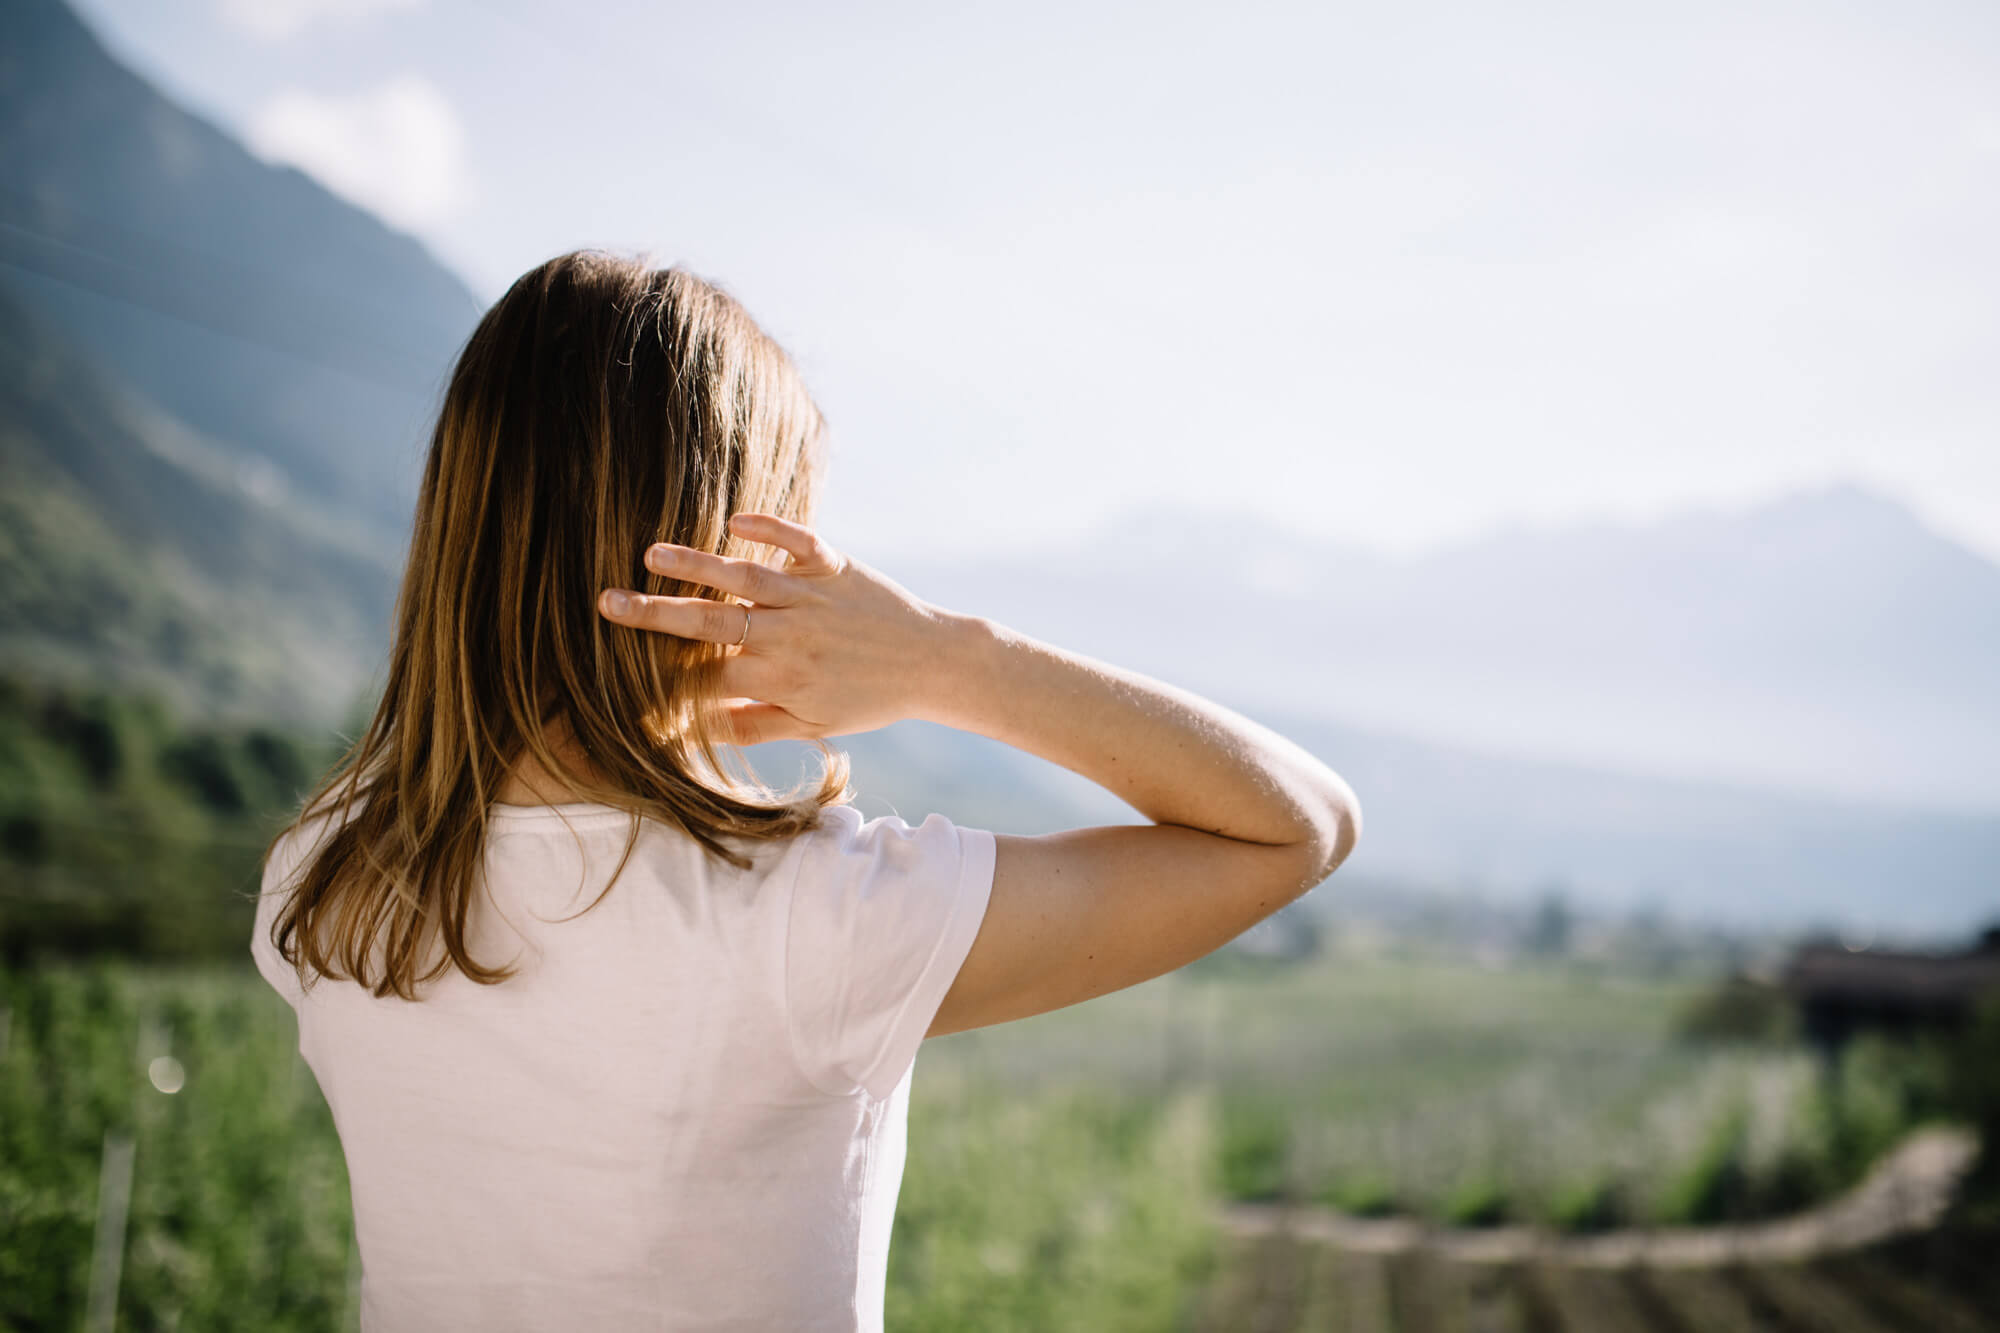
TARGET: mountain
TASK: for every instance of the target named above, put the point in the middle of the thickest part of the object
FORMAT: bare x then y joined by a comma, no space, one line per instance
1512,831
1745,856
216,384
1778,716
214,378
137,553
1826,643
296,332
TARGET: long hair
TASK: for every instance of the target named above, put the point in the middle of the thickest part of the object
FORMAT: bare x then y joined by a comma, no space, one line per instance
600,406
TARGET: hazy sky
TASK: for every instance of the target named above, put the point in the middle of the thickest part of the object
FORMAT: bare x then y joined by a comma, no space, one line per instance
1393,273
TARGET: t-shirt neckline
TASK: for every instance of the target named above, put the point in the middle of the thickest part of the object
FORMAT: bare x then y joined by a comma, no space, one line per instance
499,810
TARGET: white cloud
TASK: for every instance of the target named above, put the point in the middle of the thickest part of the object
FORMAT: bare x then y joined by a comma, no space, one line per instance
397,150
275,20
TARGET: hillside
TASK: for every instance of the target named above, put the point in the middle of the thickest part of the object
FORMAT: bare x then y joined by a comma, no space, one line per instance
285,324
214,380
137,553
216,386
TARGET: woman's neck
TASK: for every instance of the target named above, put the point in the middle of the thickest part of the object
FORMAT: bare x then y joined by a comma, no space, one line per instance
529,783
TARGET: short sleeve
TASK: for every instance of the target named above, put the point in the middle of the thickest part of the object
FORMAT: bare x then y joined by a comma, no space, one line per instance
881,917
281,869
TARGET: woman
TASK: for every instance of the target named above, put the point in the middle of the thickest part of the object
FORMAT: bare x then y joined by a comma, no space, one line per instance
616,1037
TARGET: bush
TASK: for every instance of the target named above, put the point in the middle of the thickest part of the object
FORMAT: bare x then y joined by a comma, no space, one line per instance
1070,1210
1588,1205
1362,1196
1739,1009
1480,1201
1972,1091
1256,1151
125,831
202,765
1713,1187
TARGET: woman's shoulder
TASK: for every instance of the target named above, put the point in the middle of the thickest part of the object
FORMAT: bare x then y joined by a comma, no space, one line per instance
778,857
844,845
848,840
846,831
300,841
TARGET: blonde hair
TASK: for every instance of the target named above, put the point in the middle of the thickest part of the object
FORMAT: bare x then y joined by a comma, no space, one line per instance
600,406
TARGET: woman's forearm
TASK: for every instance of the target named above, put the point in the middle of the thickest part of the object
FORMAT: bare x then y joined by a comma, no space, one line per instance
1173,756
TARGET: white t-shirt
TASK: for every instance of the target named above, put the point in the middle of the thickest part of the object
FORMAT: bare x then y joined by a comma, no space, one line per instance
686,1111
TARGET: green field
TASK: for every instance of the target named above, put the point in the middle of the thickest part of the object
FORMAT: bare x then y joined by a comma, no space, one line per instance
1470,1095
1064,1172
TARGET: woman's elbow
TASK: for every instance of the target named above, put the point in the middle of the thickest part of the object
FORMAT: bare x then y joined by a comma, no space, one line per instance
1341,829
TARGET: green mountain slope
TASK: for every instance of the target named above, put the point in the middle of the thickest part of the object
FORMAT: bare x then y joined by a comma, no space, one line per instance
135,552
215,383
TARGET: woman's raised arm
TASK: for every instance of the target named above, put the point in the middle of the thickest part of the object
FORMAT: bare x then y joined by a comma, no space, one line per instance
1244,820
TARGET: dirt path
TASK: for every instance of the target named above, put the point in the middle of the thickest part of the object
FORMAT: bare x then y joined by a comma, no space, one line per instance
1907,1191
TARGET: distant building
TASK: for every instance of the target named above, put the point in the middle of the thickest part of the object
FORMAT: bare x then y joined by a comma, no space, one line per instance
1841,991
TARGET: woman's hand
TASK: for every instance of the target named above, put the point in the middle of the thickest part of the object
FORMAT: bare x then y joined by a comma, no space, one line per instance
832,646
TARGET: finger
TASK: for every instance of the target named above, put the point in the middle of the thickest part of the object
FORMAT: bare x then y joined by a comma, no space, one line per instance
747,579
682,617
809,554
753,723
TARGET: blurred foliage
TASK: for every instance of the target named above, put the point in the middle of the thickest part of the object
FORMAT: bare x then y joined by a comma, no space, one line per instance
1477,1201
1361,1195
1470,1095
124,831
1740,1009
1549,931
1712,1187
1063,1171
1772,1151
1256,1148
1597,1203
1971,1090
1077,1209
239,1209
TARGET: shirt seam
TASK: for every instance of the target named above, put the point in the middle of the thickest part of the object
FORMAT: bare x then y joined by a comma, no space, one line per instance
566,818
923,973
869,1157
785,984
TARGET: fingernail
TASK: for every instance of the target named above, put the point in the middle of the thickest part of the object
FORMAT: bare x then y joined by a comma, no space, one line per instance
659,557
617,603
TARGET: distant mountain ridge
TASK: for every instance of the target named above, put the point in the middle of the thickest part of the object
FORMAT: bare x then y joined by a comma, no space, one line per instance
1825,643
210,446
1514,830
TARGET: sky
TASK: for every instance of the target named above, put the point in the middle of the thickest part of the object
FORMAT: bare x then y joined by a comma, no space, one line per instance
1397,275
